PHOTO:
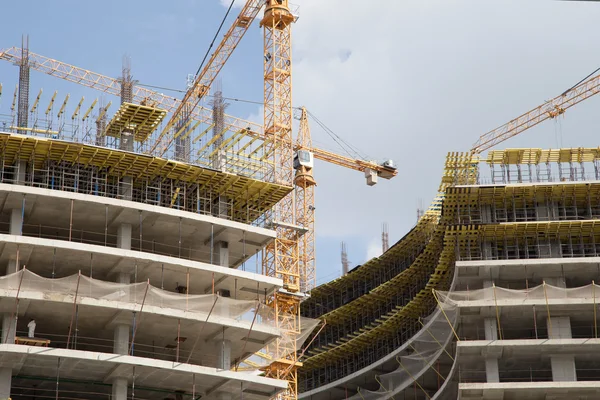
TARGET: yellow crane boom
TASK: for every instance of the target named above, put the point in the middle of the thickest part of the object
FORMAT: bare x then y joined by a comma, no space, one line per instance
550,109
112,86
205,78
385,171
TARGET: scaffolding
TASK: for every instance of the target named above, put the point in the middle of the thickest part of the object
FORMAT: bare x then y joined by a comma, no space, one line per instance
98,171
383,312
244,149
463,223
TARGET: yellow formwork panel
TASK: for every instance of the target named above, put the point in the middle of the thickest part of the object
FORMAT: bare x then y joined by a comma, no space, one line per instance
138,119
392,321
559,229
453,236
541,156
248,193
395,320
417,237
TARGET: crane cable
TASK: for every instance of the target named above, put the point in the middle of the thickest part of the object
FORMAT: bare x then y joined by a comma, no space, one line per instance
347,147
215,38
578,83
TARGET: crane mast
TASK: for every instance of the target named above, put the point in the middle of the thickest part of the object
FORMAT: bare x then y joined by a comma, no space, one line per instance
281,257
291,256
304,186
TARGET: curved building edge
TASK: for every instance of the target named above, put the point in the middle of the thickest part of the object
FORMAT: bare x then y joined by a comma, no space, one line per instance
531,226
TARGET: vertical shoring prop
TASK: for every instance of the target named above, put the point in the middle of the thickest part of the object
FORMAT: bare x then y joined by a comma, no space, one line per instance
547,310
178,337
201,329
237,364
497,311
57,377
595,321
74,308
140,318
13,316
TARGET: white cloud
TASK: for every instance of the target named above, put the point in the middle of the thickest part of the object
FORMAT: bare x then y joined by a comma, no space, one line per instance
373,249
413,80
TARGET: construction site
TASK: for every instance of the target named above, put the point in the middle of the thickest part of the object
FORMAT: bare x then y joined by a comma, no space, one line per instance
156,248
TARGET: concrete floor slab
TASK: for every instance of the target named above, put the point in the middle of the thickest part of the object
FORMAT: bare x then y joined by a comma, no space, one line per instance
94,366
45,257
95,219
93,322
530,390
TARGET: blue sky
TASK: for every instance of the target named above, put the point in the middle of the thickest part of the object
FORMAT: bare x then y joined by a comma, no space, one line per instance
411,83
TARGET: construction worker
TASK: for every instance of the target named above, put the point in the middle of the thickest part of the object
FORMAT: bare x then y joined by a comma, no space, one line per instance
31,325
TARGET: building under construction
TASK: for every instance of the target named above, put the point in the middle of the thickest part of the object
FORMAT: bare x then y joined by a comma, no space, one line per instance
125,273
491,295
158,248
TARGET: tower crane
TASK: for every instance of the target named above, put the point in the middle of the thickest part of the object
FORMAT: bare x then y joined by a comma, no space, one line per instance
291,255
549,110
112,86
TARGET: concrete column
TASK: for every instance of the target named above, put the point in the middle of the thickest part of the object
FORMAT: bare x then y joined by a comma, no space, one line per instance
16,221
222,253
491,328
11,267
124,278
488,283
555,249
224,354
124,236
486,214
492,372
556,281
119,389
559,328
5,382
126,188
9,324
21,172
121,339
563,366
486,248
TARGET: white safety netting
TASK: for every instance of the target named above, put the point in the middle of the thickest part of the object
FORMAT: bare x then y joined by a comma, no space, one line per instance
212,308
503,296
419,355
274,351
